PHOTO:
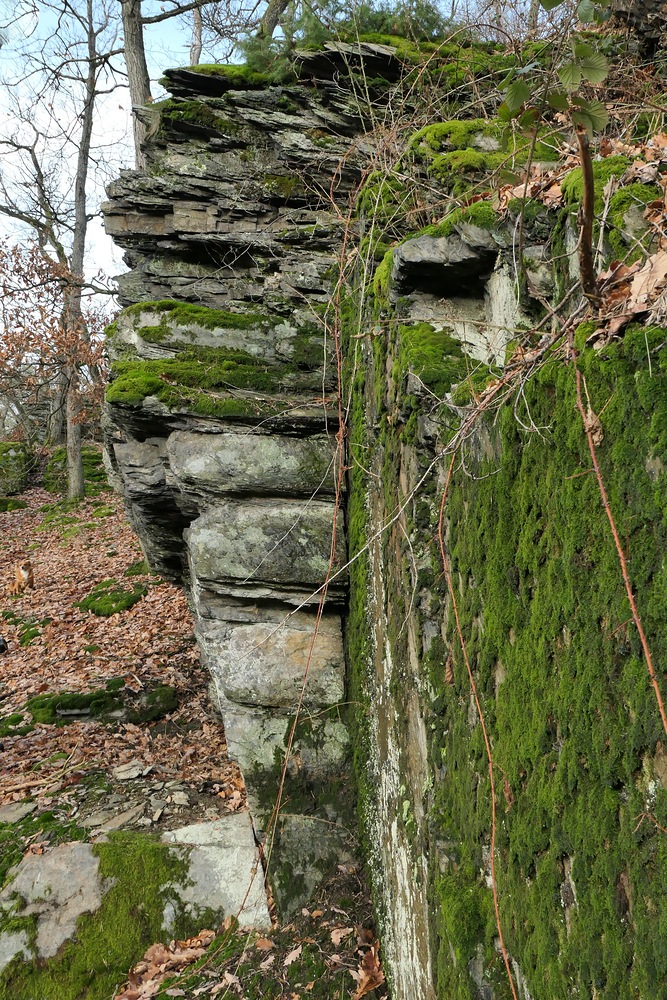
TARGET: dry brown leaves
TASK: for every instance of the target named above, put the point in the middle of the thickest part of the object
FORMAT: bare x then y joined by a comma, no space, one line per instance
369,975
148,644
160,961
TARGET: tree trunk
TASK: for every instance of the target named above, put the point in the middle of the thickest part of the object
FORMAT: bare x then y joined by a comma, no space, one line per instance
274,11
55,432
137,70
533,18
75,483
196,47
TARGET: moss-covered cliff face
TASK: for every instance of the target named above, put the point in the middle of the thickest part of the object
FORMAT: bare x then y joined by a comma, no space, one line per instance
558,676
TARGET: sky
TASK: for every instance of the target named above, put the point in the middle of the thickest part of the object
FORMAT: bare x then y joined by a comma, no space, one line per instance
167,45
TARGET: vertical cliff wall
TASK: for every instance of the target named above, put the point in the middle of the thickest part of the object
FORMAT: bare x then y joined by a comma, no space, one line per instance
472,448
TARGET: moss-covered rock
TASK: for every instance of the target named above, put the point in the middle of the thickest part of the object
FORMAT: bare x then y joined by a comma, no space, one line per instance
110,598
8,504
94,474
14,466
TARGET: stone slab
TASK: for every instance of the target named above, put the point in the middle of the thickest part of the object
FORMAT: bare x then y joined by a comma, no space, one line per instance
16,811
253,463
277,548
225,870
265,664
58,887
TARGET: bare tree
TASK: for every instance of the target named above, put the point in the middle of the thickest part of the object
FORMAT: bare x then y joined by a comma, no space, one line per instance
45,173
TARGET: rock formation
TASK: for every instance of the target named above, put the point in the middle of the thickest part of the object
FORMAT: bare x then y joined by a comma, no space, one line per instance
223,423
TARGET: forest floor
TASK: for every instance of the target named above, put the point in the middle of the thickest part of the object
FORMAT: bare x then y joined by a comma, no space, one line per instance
105,723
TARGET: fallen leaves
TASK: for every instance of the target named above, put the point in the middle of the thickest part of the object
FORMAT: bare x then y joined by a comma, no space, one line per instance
369,976
151,643
161,960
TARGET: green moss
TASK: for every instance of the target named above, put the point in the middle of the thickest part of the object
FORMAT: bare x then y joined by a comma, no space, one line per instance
481,214
94,474
14,837
184,314
285,186
28,628
572,185
203,380
68,706
154,704
110,598
176,113
382,278
572,718
138,568
14,465
140,871
236,77
14,725
8,504
434,356
474,147
626,245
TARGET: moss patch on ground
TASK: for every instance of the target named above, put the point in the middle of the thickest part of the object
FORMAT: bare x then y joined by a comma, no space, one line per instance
28,628
110,598
140,871
8,504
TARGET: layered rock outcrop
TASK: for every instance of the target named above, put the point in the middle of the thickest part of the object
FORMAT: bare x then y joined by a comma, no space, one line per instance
223,423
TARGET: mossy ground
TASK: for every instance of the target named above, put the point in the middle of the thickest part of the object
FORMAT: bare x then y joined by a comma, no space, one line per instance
8,504
28,627
110,598
141,871
321,969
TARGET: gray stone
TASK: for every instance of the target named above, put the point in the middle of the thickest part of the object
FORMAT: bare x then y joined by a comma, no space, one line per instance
59,887
252,463
225,872
277,549
13,943
444,265
256,738
265,664
311,849
16,811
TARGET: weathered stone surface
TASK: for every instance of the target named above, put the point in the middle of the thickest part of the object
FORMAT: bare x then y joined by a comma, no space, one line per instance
266,548
15,811
320,847
13,943
240,212
253,463
267,664
59,887
445,265
255,736
224,874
